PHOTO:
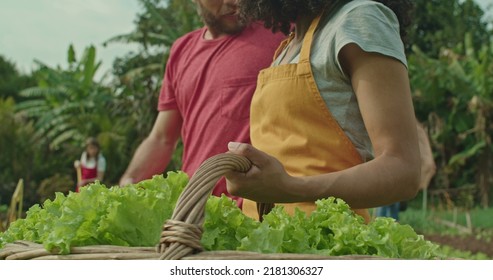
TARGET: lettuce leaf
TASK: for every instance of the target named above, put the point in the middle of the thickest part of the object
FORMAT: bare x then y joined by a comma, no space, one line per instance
125,216
332,229
225,225
134,215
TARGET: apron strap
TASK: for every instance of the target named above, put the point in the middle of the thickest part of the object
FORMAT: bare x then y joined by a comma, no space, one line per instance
307,41
283,45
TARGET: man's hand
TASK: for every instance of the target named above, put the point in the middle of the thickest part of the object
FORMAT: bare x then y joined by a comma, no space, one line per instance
428,166
125,181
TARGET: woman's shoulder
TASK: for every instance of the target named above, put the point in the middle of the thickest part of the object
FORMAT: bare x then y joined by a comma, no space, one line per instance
357,19
364,8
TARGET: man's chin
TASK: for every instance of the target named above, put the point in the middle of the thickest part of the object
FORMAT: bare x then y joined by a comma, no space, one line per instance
235,30
228,29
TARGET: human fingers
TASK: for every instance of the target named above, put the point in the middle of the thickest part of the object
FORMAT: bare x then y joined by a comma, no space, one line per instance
257,157
125,181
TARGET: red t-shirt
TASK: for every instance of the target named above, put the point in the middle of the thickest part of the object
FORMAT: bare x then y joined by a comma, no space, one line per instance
211,83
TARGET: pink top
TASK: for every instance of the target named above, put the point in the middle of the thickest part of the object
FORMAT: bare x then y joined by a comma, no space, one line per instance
211,82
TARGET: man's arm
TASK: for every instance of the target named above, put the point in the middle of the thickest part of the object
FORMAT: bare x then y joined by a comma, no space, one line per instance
428,166
154,153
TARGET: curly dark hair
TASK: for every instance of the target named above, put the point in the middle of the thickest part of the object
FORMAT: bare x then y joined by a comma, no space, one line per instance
279,14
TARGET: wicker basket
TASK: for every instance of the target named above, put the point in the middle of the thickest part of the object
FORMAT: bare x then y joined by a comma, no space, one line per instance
180,238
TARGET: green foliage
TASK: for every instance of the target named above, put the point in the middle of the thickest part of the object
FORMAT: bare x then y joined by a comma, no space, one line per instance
134,215
423,222
157,27
160,25
448,252
130,216
11,81
450,72
58,183
59,107
67,105
140,74
450,69
441,24
332,229
454,93
224,225
18,151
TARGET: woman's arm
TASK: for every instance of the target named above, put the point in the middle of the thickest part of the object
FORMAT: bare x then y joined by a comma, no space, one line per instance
382,87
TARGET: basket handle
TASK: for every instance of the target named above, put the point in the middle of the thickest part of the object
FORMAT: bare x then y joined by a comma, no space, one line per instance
182,233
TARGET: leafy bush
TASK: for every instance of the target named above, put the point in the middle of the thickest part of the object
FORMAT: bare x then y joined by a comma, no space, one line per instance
454,95
57,183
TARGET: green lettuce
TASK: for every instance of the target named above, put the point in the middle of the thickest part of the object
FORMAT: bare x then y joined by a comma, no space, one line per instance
332,230
225,225
125,216
134,215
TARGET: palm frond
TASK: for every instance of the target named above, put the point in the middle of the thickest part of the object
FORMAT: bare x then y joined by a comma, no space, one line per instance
36,104
162,20
65,136
38,92
138,72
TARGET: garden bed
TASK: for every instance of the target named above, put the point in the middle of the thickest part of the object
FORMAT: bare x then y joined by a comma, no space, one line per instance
470,243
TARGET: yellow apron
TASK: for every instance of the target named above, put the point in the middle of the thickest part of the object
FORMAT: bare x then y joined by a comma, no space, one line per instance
290,121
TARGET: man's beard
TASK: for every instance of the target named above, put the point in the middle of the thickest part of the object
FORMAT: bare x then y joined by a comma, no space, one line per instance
217,25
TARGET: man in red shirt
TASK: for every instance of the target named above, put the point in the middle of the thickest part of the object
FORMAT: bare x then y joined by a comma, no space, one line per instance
210,78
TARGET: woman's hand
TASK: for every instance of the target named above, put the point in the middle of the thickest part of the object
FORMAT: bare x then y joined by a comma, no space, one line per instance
266,181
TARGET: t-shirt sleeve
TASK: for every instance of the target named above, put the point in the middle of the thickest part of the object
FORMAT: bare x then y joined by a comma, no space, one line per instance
167,94
101,163
83,158
374,28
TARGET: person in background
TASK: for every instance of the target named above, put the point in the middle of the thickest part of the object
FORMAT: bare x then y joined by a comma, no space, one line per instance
92,164
428,170
428,165
333,116
205,97
391,211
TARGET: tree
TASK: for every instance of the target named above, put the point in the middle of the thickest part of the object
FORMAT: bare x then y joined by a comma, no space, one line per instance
439,24
140,74
455,93
67,105
11,81
18,152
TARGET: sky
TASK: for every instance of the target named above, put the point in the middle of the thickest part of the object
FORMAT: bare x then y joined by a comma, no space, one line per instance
44,29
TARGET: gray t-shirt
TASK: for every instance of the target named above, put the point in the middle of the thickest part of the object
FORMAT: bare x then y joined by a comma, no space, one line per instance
374,28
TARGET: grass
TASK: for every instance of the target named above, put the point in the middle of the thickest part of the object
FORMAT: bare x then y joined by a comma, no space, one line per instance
425,221
448,252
